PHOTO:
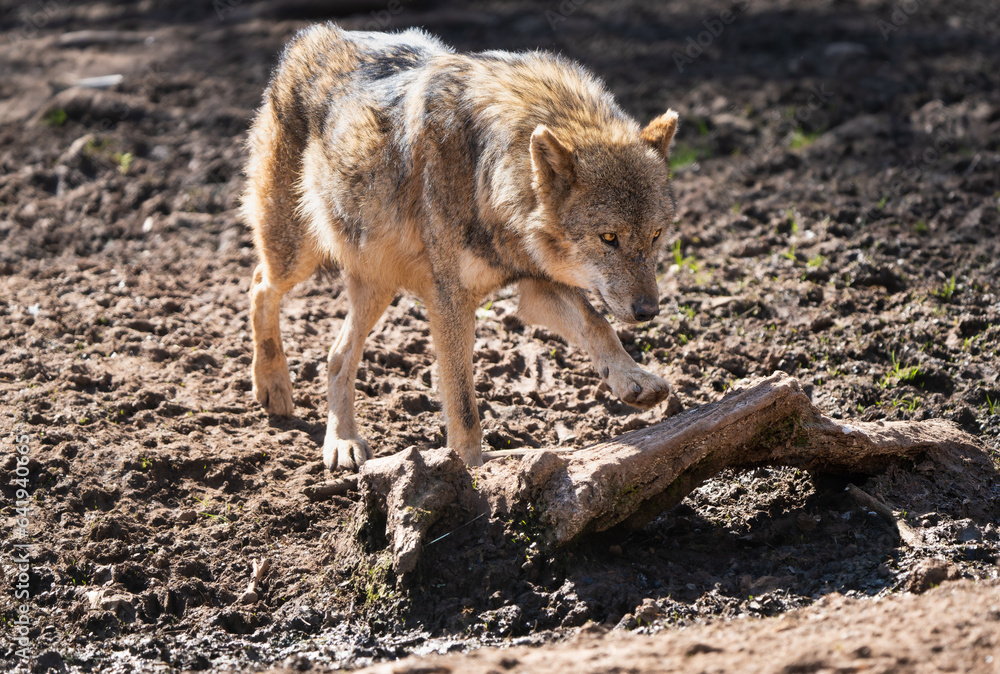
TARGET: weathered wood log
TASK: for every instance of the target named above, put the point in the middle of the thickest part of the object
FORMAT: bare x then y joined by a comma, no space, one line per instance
408,492
631,479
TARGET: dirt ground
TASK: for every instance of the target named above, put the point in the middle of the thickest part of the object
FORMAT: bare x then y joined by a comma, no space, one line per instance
839,219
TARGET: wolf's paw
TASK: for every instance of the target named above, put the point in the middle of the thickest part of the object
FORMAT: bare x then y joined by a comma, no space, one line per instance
274,392
638,387
341,454
472,456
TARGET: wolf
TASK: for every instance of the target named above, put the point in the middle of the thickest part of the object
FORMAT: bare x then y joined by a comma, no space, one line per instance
407,166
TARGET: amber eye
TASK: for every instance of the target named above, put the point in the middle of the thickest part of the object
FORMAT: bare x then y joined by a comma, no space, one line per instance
656,234
610,238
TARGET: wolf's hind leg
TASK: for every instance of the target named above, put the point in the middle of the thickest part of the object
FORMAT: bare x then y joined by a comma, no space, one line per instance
568,313
272,386
344,448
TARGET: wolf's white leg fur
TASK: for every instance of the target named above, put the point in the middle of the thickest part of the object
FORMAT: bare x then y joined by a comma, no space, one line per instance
568,313
344,447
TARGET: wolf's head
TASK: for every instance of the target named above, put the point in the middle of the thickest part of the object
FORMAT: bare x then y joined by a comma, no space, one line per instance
602,207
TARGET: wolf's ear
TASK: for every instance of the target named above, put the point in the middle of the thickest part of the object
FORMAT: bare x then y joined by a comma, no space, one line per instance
552,163
660,132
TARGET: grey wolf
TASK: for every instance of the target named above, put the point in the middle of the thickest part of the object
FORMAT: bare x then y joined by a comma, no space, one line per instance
408,166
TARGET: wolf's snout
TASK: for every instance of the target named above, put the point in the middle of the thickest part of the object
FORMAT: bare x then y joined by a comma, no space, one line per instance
644,308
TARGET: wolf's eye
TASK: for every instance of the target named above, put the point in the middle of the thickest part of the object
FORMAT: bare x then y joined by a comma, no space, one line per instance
610,238
656,234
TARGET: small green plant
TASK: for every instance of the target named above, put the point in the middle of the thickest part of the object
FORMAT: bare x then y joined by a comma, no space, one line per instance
946,291
969,341
899,374
373,583
921,227
882,202
991,404
793,224
815,262
801,139
95,147
54,117
682,261
124,161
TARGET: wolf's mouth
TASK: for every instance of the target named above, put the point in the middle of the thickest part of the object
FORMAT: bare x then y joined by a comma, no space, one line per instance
625,317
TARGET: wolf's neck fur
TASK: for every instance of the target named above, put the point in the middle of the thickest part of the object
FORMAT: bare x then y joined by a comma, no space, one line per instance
508,96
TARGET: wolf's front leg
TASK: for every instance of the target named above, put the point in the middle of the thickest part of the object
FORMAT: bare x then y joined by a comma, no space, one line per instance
567,312
453,329
344,448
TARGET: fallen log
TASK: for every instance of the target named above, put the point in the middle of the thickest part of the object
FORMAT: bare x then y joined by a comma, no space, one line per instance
628,481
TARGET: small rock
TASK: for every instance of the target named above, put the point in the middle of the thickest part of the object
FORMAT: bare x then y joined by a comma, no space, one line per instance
627,622
727,123
94,598
844,49
862,128
119,604
187,516
821,323
647,612
115,603
969,534
930,573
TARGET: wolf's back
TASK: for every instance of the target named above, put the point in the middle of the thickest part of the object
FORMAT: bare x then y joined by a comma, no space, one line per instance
324,64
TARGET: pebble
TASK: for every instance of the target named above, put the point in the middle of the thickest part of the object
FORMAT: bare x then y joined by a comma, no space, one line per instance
647,612
628,622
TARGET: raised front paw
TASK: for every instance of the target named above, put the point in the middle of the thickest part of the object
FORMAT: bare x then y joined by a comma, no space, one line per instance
638,387
345,454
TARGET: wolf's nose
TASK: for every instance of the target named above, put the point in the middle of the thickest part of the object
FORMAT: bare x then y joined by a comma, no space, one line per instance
644,309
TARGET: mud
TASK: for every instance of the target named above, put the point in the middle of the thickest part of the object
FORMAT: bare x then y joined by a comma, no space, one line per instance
838,220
